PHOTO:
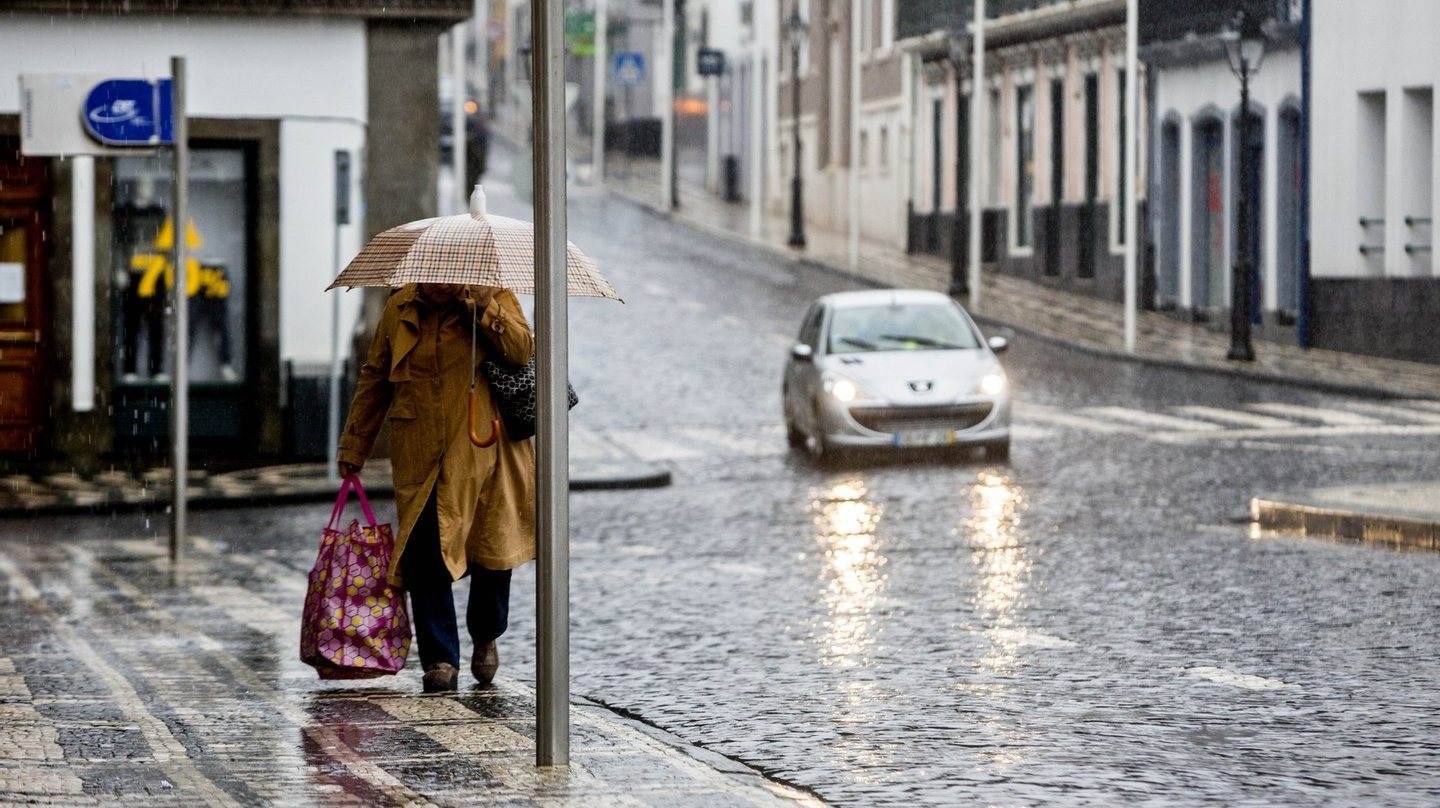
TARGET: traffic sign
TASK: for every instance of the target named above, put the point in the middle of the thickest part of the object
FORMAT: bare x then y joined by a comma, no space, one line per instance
130,112
629,67
710,62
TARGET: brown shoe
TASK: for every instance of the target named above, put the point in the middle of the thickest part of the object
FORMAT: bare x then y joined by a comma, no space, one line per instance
485,663
442,677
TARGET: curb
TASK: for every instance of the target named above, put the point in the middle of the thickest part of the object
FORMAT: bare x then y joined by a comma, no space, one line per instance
1305,383
608,477
1401,532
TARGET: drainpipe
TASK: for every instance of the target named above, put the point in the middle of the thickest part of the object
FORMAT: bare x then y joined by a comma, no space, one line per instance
1302,322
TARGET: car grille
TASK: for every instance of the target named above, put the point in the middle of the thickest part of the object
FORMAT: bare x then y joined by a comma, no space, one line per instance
904,419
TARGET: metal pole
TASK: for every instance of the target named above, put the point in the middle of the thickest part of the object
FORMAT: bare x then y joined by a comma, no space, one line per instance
342,192
797,183
1302,330
552,450
482,55
602,60
855,48
664,74
1132,25
82,303
1240,347
756,111
979,94
180,301
457,116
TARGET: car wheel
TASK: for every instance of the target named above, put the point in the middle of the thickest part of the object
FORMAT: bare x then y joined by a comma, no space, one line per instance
793,436
815,443
997,452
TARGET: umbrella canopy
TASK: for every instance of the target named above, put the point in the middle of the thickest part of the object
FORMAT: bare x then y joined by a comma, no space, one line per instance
472,249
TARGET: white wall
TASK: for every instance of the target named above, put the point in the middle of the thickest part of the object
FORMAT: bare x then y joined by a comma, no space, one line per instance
1367,48
309,73
1188,92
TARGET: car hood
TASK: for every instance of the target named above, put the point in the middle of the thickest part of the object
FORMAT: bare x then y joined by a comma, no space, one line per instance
914,377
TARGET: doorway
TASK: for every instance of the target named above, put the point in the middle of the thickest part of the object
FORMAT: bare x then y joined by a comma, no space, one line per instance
1207,262
1168,215
25,326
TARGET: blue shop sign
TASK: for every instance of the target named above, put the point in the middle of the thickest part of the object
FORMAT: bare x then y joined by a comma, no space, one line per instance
130,112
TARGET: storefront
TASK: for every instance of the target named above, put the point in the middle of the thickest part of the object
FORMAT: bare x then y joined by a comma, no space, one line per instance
277,90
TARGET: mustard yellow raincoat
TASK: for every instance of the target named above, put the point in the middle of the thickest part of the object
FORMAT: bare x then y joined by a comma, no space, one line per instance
418,372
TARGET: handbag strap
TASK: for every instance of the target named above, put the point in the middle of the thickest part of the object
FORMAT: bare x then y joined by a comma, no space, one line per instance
349,483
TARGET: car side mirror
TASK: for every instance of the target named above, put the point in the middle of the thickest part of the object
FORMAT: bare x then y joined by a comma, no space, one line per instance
801,352
998,344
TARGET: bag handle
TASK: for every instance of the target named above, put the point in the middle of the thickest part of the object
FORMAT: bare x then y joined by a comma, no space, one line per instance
349,483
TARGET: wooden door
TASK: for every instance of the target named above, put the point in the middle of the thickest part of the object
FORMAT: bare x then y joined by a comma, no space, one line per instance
24,317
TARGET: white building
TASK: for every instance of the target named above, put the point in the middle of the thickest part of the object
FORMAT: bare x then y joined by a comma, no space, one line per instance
1374,287
1197,157
827,123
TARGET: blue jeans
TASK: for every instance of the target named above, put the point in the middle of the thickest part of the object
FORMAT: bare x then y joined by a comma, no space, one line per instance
432,605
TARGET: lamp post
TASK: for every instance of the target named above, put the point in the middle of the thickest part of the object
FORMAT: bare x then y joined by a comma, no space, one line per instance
797,29
959,44
1245,48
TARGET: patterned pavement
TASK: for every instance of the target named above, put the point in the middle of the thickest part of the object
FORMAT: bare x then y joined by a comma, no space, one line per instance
124,681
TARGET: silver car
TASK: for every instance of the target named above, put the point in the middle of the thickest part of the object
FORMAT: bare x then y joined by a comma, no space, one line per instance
895,368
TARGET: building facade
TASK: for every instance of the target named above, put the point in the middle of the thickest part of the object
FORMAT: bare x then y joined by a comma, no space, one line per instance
827,123
1051,191
276,90
1373,284
1198,158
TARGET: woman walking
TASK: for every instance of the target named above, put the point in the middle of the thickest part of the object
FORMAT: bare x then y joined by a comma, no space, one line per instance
462,509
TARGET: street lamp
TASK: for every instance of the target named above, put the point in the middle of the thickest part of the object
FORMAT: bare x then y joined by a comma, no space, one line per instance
798,30
1245,48
959,46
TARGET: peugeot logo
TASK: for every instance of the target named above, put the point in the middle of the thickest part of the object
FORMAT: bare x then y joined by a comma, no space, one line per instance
922,387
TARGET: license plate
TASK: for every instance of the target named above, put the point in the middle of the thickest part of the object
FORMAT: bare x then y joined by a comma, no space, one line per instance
929,437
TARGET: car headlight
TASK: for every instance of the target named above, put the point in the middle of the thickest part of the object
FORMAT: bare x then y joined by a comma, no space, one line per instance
992,384
844,390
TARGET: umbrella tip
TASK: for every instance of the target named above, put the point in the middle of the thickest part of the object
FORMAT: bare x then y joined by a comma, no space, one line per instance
477,201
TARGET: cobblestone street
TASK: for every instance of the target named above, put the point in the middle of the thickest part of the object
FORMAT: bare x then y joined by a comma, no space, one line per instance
1093,622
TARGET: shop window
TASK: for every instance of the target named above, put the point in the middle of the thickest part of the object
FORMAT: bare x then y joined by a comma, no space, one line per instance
217,267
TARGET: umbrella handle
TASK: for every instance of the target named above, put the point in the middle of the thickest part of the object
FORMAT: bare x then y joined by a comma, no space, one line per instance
475,438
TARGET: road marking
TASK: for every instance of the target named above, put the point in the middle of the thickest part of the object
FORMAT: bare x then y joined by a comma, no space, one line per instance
650,447
1223,676
732,440
1153,419
1393,411
1248,419
1052,415
588,444
1302,432
1324,416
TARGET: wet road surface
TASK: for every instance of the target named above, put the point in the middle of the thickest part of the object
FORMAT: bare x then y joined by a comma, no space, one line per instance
1090,623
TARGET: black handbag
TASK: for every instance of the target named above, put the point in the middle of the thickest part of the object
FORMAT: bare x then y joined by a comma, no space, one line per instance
513,389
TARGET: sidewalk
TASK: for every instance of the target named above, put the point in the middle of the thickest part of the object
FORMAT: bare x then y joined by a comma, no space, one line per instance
1405,515
119,490
1041,312
126,682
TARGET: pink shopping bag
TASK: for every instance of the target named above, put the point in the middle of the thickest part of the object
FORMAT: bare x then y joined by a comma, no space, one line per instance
355,624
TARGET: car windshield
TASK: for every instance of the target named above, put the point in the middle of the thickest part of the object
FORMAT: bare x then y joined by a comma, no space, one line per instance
902,327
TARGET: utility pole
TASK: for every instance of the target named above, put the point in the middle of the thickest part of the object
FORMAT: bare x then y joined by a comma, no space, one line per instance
855,52
180,303
665,76
1132,95
602,59
979,95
